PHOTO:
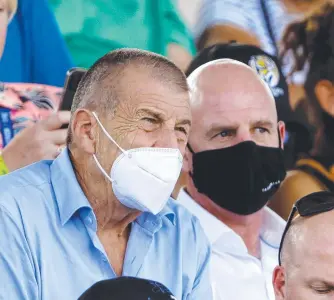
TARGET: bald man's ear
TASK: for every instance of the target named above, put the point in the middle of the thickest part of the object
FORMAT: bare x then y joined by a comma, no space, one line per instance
83,130
279,283
281,132
187,161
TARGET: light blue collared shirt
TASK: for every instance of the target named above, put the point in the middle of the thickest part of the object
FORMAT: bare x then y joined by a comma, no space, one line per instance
49,248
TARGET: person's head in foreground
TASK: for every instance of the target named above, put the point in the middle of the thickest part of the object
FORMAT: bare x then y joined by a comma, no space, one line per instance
307,251
297,138
234,158
127,288
7,11
129,130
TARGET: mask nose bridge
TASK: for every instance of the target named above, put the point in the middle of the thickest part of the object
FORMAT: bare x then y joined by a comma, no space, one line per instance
143,168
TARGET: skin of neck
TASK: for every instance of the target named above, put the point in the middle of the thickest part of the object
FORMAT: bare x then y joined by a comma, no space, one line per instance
247,227
110,213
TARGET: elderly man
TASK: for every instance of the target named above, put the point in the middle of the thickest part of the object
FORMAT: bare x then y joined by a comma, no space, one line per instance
307,251
234,164
102,208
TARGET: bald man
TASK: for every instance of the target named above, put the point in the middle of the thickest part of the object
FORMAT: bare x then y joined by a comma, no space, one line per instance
234,164
307,258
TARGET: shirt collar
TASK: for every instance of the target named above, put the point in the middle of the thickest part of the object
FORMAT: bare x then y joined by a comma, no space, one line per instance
272,228
207,220
152,222
271,231
168,212
69,195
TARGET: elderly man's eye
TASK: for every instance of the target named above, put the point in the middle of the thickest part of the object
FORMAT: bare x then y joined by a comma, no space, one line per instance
182,129
150,120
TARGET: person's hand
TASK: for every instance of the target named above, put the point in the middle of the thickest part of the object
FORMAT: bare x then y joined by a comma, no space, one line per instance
41,141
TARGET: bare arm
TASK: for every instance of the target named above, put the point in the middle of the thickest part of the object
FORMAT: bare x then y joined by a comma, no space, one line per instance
226,33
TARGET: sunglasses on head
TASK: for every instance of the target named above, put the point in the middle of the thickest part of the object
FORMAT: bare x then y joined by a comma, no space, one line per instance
310,205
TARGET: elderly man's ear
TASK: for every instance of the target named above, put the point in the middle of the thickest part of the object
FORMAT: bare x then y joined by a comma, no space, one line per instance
84,130
281,132
279,283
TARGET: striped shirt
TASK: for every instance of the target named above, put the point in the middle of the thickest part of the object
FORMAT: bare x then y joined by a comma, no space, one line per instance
248,15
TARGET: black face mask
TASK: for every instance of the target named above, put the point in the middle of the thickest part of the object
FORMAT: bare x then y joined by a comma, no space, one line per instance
241,178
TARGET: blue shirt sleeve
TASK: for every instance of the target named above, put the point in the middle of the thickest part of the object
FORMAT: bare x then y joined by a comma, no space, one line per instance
238,13
17,276
202,286
35,50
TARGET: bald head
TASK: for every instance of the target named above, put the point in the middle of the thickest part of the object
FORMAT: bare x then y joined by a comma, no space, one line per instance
307,258
227,76
309,239
229,96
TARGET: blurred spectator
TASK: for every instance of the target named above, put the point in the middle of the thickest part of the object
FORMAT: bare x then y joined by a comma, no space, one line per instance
97,27
21,105
234,164
127,288
102,208
255,22
312,43
307,251
298,134
35,51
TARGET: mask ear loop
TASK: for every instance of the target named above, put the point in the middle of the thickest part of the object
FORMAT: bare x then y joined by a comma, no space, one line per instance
101,169
109,136
107,133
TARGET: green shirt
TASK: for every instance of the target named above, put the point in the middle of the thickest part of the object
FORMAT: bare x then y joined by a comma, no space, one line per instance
93,28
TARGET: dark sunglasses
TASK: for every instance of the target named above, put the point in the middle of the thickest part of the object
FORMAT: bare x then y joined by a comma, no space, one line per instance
310,205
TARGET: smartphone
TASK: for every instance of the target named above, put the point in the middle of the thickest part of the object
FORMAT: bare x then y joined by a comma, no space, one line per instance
73,78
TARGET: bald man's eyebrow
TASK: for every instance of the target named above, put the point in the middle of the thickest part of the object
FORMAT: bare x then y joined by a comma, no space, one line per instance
264,123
